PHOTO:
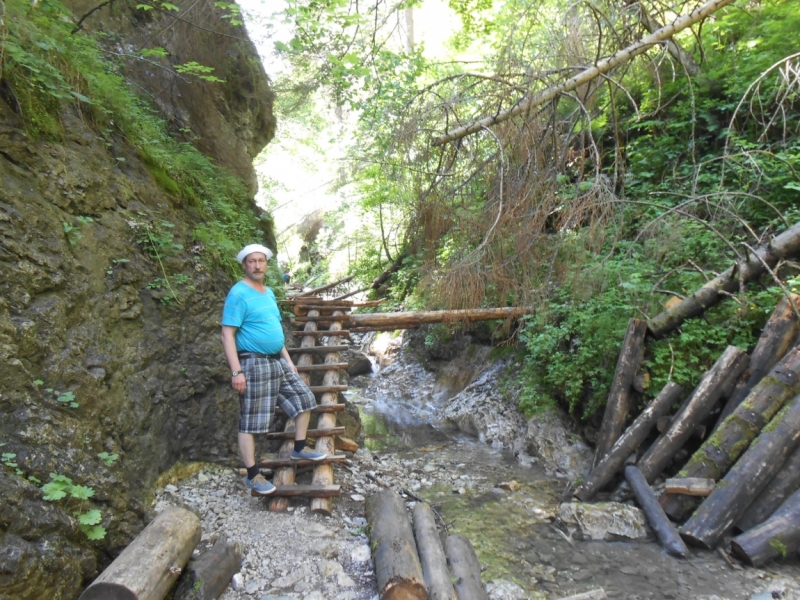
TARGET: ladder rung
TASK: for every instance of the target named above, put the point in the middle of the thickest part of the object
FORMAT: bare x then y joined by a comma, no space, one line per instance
309,491
327,389
322,408
277,463
323,367
322,333
315,433
318,350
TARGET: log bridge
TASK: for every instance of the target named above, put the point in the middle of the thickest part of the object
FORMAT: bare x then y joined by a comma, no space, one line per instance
320,326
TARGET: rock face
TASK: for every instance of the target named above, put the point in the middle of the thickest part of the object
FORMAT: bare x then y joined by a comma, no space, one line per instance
96,359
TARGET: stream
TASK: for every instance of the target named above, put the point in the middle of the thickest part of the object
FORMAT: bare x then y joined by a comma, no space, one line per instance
508,509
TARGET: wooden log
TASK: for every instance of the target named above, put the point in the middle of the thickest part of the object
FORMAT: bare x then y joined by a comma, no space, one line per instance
306,491
320,333
325,389
464,568
778,536
431,554
322,318
346,444
746,479
783,485
274,463
151,564
315,433
327,408
285,475
690,486
782,246
324,288
437,316
207,576
775,340
629,442
318,350
735,435
618,403
397,568
716,383
667,535
323,367
323,474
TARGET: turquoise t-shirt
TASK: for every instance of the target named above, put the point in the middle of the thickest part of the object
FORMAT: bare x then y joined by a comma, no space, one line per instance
257,318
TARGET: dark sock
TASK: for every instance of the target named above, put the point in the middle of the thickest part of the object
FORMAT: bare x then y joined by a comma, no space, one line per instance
299,445
252,472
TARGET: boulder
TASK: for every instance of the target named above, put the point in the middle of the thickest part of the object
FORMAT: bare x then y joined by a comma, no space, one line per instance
358,363
607,521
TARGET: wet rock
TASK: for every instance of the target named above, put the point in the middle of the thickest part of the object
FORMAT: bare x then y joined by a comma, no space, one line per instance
560,450
604,521
358,363
501,589
385,346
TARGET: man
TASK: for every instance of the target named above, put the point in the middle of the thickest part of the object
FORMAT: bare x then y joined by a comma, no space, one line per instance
261,368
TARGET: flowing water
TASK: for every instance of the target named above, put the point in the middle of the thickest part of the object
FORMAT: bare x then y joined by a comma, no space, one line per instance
514,530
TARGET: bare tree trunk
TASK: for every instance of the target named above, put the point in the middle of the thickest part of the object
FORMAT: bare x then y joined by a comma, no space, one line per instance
779,536
619,398
678,53
602,67
667,534
464,568
783,485
784,245
431,554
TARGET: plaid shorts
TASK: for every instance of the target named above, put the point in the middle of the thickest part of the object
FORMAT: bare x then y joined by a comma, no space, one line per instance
270,381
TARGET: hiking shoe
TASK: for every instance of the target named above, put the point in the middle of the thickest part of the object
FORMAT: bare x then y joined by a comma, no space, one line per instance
259,485
308,455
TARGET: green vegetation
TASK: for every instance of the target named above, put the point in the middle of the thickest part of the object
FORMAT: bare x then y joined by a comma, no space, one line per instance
60,487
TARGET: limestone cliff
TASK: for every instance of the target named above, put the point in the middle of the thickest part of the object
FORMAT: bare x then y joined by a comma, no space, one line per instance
97,352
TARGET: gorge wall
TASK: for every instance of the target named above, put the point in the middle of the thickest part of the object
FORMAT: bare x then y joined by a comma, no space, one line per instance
84,319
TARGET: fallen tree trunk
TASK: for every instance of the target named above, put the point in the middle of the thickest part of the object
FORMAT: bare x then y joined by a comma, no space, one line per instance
431,554
384,277
601,67
436,316
784,245
629,442
464,568
779,536
618,403
783,485
207,576
323,288
715,384
323,474
667,534
151,564
397,568
734,436
746,479
774,341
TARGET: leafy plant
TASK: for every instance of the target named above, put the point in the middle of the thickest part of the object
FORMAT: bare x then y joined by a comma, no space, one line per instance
108,459
60,487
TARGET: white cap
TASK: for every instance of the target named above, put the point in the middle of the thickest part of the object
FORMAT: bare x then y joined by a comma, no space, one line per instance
247,250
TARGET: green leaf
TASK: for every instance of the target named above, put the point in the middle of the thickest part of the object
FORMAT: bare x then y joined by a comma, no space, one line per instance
38,382
92,517
81,492
144,7
52,493
98,532
157,51
168,6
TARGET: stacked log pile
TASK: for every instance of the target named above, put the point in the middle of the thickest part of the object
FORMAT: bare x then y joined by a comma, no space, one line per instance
744,479
413,563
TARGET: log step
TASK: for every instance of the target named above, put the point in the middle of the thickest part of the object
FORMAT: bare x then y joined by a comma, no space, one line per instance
323,367
276,463
322,333
318,318
318,349
327,389
315,433
322,408
308,491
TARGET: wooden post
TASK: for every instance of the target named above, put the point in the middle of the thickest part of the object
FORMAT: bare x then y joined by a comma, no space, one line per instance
431,554
410,319
746,479
667,534
285,475
323,474
464,568
733,437
629,442
776,338
715,384
207,576
783,485
618,403
778,536
151,564
397,568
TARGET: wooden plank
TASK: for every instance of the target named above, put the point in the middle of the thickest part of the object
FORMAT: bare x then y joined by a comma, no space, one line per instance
326,408
323,367
690,486
307,491
322,333
315,433
327,389
274,463
318,349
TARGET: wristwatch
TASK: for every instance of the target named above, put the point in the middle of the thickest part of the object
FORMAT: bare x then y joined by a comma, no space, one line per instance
235,373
